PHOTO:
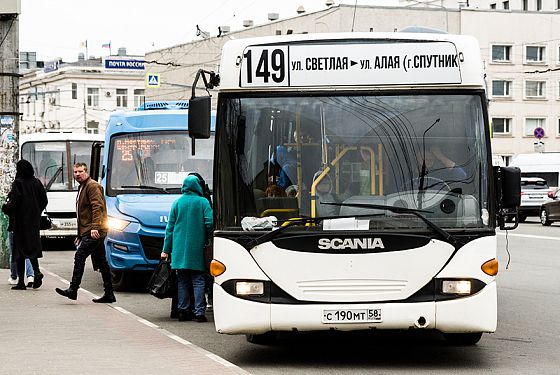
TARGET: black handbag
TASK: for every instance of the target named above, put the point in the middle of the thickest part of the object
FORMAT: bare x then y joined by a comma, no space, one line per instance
45,223
163,283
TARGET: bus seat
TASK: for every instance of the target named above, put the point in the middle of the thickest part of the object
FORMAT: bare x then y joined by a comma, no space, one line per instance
281,207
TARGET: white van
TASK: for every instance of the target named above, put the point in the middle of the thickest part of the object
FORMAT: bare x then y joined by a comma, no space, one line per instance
545,165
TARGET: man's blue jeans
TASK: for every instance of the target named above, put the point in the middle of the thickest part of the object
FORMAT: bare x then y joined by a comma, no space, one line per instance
13,264
187,279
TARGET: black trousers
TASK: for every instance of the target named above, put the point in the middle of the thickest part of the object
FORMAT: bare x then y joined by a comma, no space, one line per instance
90,246
20,266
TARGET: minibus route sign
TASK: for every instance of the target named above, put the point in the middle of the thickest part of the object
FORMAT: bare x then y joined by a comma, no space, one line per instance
356,64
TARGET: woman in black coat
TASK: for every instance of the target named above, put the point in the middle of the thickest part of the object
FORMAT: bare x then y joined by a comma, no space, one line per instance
28,199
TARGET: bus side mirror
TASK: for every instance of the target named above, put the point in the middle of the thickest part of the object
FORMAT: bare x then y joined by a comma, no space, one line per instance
507,185
95,161
199,117
199,107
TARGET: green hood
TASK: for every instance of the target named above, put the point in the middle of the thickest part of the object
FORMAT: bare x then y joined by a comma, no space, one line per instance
192,184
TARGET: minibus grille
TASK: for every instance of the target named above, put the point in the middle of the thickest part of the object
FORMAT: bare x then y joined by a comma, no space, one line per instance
152,246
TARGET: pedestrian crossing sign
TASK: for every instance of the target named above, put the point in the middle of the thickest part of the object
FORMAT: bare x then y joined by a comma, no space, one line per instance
152,80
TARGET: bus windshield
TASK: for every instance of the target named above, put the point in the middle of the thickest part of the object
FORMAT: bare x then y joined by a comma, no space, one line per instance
156,162
50,160
296,154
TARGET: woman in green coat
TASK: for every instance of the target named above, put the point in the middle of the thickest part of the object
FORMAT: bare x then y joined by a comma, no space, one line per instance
189,228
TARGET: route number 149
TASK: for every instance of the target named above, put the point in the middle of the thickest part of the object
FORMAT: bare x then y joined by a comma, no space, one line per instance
264,66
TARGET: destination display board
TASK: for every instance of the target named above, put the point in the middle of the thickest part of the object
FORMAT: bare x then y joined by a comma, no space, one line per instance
357,64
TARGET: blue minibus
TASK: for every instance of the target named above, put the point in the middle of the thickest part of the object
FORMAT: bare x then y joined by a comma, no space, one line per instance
148,154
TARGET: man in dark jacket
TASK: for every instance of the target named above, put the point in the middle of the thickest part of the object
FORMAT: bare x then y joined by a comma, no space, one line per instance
92,229
28,199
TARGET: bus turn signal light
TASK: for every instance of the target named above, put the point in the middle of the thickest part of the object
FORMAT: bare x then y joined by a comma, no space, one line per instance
490,267
217,268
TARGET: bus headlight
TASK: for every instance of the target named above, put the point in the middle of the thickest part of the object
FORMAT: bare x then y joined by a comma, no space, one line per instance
462,287
117,224
249,288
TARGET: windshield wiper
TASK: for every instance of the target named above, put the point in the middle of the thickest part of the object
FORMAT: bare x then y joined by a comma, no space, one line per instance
53,178
423,172
298,221
163,190
403,210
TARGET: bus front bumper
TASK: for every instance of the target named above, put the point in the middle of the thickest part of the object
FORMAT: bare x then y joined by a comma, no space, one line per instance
476,313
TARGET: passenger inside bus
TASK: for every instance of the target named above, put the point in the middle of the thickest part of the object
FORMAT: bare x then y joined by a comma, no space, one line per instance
47,166
440,170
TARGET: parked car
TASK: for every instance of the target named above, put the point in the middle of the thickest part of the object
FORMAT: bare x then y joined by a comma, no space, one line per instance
534,193
550,211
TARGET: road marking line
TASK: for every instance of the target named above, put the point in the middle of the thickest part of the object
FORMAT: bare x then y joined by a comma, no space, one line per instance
124,311
148,323
530,236
172,336
178,339
220,360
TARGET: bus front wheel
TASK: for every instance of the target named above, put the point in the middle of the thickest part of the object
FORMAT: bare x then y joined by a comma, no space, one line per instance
463,339
120,280
262,339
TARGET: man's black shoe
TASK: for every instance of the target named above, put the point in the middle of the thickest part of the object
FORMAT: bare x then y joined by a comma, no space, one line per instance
174,314
38,281
68,293
19,287
108,297
200,318
185,316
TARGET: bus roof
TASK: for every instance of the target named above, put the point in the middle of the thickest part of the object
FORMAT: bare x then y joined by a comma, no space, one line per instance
163,104
50,137
351,60
151,120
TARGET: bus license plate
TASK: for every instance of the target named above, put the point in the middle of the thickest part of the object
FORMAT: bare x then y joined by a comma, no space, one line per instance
352,316
66,224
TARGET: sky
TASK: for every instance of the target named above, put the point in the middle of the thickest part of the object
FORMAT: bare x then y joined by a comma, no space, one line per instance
56,28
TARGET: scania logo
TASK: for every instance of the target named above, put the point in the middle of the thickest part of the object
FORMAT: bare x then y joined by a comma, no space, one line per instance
350,243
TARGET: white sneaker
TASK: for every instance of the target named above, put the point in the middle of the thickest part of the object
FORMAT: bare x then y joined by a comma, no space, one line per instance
12,281
30,280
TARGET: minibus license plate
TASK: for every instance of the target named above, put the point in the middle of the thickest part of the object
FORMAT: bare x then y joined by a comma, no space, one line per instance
352,316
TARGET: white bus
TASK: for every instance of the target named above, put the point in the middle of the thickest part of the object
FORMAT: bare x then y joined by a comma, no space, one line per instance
53,156
353,185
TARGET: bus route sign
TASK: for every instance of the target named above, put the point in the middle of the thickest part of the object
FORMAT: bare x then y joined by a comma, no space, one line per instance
351,64
538,133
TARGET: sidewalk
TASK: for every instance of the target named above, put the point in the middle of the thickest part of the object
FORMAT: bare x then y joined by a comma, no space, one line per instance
42,333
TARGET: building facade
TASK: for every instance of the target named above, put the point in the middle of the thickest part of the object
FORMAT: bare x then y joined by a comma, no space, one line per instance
519,41
78,97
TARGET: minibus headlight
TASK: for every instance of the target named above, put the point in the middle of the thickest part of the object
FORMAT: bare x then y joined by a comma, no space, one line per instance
249,288
462,287
117,224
